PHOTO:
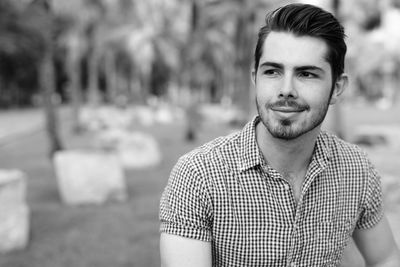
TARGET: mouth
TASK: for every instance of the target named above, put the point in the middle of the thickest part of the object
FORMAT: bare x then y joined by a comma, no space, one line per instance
287,109
287,106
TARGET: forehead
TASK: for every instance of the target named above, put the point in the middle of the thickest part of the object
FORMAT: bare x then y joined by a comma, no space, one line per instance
291,50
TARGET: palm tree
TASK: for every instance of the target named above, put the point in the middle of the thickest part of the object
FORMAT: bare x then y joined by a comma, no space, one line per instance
79,38
229,34
41,10
74,50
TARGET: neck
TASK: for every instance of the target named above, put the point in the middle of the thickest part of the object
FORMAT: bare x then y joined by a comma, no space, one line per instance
288,157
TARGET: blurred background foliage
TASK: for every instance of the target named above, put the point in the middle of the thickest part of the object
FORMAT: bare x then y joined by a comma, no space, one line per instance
125,51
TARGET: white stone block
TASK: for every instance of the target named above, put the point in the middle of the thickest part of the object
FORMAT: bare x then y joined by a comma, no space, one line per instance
12,187
14,228
14,212
86,177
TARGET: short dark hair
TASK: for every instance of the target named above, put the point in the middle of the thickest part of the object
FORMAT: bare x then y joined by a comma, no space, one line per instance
306,20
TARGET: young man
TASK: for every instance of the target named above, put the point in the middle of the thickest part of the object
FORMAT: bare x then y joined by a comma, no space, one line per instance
281,192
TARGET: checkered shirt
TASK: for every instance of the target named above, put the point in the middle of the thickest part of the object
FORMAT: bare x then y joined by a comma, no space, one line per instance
224,193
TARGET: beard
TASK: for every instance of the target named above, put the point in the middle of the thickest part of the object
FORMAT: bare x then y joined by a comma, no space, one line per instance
288,129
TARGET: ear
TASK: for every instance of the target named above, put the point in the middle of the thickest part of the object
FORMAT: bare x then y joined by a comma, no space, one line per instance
253,76
339,87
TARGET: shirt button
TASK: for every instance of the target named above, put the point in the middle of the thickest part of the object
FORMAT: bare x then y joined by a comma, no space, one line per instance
286,186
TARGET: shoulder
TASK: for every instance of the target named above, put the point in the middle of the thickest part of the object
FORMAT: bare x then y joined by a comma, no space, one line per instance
352,166
196,171
345,152
338,147
211,153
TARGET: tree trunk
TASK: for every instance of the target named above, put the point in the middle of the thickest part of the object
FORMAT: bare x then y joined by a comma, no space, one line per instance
243,43
191,104
74,74
47,85
93,73
93,94
111,76
47,79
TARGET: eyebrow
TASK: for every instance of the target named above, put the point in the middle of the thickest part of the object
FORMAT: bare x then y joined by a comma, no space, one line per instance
300,68
271,64
311,67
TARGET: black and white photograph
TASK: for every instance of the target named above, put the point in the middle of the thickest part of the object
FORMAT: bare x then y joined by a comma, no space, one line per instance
199,133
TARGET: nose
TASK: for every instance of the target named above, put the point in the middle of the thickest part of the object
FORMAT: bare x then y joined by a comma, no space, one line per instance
287,89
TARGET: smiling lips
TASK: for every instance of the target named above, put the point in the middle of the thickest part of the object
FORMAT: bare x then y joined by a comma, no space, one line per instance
287,107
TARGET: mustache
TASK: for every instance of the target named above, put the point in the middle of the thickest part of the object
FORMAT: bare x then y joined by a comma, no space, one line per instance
288,104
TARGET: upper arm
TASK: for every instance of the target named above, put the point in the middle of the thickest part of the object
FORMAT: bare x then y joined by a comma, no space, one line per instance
377,245
185,216
185,205
176,251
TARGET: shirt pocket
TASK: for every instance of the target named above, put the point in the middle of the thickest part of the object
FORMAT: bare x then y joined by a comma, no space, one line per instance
332,237
320,242
324,234
343,231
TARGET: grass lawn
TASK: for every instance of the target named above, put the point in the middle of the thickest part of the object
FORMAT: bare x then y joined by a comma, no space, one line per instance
118,234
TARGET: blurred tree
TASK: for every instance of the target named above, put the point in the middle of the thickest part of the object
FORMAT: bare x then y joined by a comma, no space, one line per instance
20,50
82,36
153,42
74,47
121,39
77,21
43,21
228,39
142,46
94,32
26,38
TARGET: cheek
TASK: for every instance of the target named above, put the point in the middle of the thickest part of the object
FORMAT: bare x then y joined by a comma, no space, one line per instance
315,97
263,92
262,99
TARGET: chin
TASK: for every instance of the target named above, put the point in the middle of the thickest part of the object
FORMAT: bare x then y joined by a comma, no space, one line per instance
288,130
285,134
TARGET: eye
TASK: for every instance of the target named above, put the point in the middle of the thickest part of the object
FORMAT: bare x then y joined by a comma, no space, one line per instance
271,72
307,74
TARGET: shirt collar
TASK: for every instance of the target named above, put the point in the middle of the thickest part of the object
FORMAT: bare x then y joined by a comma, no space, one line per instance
248,148
322,153
250,153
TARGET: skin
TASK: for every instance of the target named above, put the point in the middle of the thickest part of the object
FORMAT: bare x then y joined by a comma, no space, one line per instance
294,89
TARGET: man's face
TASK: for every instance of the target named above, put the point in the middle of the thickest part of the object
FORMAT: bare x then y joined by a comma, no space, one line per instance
293,84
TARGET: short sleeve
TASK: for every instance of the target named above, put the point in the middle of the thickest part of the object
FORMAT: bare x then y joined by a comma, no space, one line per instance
184,206
372,207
